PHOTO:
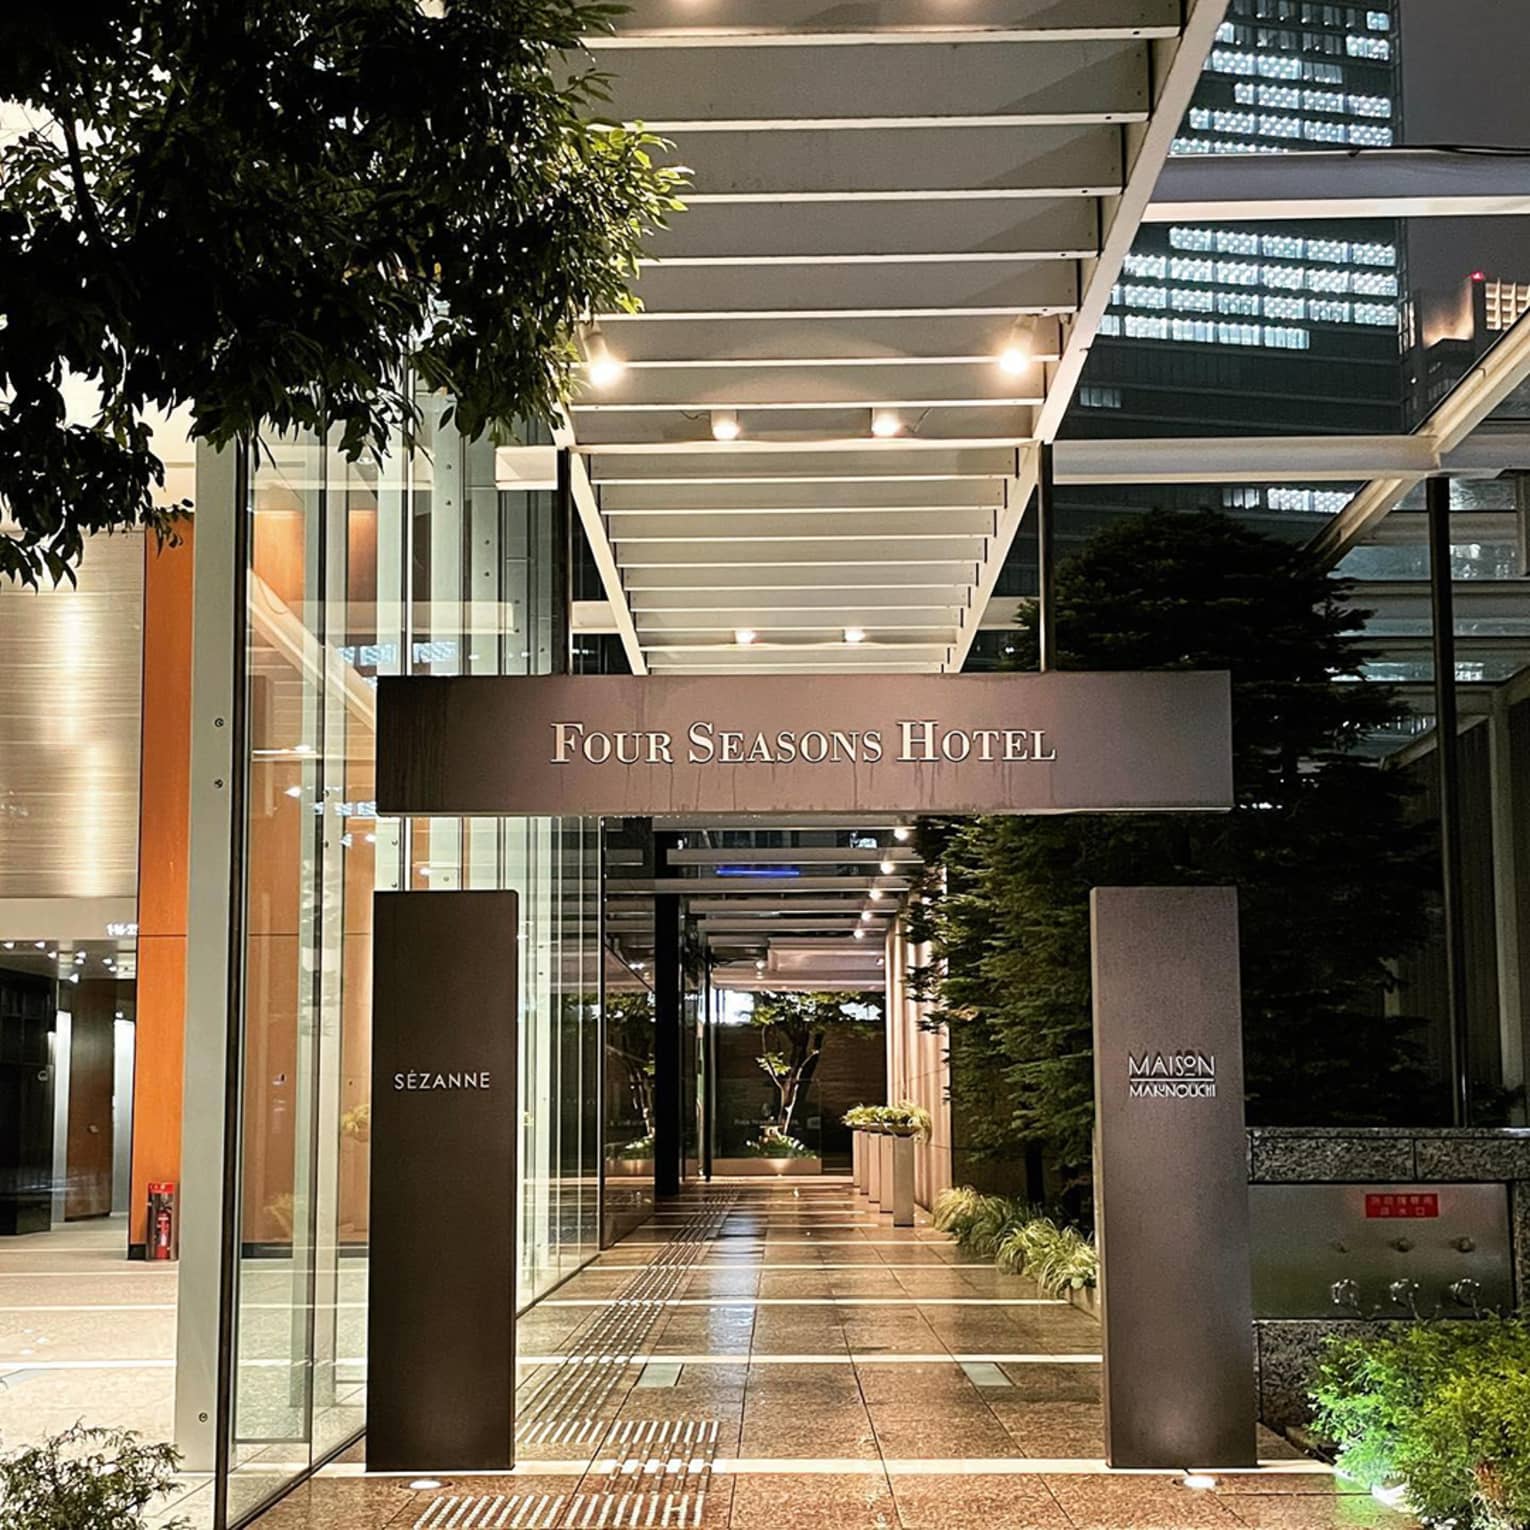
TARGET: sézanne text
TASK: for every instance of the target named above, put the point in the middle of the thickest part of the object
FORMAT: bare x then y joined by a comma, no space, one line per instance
918,741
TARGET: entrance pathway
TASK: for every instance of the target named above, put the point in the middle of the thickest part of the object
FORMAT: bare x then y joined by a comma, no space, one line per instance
770,1356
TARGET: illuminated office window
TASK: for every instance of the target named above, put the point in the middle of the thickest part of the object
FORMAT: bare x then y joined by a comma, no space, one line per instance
1330,311
1238,303
1151,266
1368,47
1193,299
1286,339
1191,238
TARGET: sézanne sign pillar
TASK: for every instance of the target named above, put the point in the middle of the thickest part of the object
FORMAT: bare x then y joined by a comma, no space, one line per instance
441,1276
1171,1183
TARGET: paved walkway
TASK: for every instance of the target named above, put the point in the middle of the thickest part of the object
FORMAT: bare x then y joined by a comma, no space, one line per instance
764,1357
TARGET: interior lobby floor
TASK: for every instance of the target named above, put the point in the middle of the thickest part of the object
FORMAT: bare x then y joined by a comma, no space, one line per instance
84,1333
776,1356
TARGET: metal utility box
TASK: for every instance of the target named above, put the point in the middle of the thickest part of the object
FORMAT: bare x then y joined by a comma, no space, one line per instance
1310,1242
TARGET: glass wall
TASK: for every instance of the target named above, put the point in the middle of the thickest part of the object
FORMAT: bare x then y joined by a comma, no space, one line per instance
421,566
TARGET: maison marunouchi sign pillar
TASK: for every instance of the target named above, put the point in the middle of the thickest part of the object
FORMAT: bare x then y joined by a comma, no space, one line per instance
441,1274
1171,1183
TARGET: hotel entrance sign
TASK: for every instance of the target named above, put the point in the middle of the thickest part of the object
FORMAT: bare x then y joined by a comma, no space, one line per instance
1022,743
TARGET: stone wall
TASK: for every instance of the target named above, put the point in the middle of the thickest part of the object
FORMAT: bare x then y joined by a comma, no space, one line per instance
1286,1349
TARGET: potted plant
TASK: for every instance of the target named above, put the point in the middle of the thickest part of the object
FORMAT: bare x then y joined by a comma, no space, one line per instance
86,1479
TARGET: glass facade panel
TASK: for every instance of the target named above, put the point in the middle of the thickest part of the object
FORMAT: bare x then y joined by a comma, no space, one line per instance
418,565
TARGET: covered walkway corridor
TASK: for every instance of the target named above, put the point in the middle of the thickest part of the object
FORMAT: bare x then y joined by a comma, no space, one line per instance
770,1356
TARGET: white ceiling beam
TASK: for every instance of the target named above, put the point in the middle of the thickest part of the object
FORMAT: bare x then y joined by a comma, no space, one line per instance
600,550
775,525
1358,183
1448,428
1018,492
1061,228
1177,70
855,577
791,23
807,602
801,462
646,341
766,497
724,85
745,386
900,164
913,288
762,554
841,428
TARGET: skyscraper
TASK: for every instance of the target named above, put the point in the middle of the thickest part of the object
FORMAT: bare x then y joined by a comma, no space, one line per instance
1282,328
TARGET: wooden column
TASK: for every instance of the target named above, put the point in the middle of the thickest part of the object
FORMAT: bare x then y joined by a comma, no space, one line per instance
163,832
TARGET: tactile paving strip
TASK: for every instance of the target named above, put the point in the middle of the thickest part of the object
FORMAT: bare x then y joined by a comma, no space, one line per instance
563,1403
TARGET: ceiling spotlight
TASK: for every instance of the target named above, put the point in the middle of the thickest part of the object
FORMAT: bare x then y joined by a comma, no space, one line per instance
602,366
887,868
865,916
901,833
855,634
860,934
744,636
1201,1481
759,966
876,894
424,1484
40,944
1014,359
885,423
725,425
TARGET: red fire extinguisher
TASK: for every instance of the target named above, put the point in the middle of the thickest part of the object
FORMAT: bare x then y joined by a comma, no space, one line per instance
162,1229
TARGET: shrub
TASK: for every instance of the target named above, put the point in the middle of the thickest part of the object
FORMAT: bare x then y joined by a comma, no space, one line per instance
906,1119
954,1210
85,1479
1020,1239
773,1143
1441,1410
1058,1259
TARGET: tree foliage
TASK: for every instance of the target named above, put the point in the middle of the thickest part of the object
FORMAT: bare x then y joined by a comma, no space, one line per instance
267,213
793,1029
1333,882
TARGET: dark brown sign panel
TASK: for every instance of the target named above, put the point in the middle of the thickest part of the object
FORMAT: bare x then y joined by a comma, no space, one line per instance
441,1304
1025,743
1171,1183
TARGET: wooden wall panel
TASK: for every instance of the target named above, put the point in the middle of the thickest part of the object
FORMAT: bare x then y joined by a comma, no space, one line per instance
163,847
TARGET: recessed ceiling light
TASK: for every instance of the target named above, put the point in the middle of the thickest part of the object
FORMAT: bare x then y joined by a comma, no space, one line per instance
887,868
855,634
885,423
424,1484
744,636
901,833
1201,1481
725,425
602,366
1014,359
876,894
860,934
865,916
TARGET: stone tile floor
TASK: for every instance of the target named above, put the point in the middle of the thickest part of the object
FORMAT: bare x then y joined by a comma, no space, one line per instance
778,1357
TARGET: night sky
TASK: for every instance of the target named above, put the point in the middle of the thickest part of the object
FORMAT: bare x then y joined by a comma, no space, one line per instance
1465,68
